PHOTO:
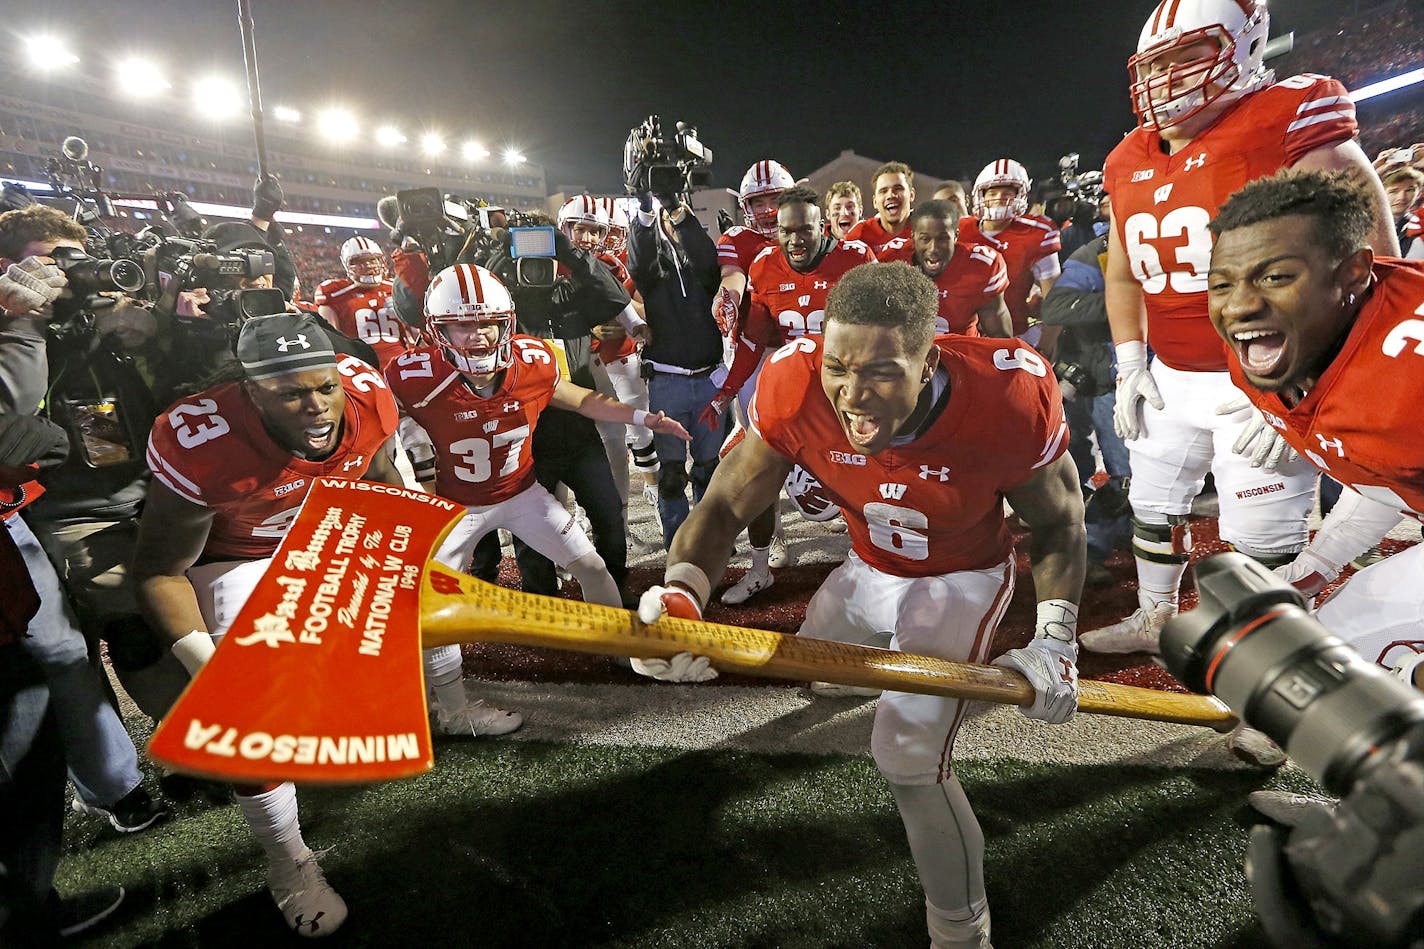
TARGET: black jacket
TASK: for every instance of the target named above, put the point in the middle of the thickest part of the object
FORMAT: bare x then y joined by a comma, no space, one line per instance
677,281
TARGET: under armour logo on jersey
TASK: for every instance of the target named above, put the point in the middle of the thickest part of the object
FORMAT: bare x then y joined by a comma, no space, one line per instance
927,473
490,427
1331,444
892,492
353,463
511,406
820,284
1196,162
284,344
804,299
1162,193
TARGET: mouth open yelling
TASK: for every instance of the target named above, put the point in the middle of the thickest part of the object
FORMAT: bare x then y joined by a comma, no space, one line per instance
1262,352
318,439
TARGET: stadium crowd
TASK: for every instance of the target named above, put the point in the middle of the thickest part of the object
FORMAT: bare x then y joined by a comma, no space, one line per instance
154,451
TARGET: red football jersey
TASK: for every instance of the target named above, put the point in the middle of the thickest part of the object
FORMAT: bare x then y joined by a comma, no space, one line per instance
366,313
873,234
975,274
1360,423
482,445
1162,203
786,303
935,504
212,449
1028,239
738,247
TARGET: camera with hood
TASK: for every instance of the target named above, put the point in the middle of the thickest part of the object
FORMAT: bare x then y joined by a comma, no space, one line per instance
659,164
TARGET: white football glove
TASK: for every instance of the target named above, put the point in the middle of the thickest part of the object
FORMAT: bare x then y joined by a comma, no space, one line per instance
1134,386
1258,440
1051,667
655,603
30,286
1308,572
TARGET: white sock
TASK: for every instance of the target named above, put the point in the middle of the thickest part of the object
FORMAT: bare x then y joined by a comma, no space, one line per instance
443,675
272,815
761,560
1158,582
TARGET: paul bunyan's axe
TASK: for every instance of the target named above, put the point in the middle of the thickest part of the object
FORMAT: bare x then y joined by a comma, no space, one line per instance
319,677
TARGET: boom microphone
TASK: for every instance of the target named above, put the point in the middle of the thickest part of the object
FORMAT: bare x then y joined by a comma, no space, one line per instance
75,148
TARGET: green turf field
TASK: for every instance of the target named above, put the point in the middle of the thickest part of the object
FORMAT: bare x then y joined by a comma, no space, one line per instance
535,843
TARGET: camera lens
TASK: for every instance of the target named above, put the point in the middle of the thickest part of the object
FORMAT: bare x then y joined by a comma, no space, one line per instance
126,275
1251,643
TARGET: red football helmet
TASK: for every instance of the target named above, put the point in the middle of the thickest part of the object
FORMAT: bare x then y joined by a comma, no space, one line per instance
471,297
1168,97
764,177
363,260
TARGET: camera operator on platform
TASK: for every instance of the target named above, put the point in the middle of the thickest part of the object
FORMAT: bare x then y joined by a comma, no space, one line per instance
567,448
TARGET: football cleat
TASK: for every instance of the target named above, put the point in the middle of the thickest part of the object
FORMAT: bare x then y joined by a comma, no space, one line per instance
308,903
1137,633
476,718
1254,748
747,587
780,555
1285,808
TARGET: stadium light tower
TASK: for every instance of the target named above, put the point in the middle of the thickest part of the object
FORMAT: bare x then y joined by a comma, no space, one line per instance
217,98
431,143
474,151
48,52
512,156
337,125
140,78
389,136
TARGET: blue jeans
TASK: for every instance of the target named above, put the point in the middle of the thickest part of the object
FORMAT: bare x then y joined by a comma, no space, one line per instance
1095,415
103,764
683,398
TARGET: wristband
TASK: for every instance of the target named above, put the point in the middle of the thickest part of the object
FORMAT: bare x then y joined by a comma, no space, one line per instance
691,577
1057,620
640,418
1131,355
193,650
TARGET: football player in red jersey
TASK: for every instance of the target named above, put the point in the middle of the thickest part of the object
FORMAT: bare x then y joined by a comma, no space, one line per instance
231,466
970,278
1326,340
893,196
478,390
1028,242
1210,120
359,304
920,440
790,281
953,192
843,207
763,183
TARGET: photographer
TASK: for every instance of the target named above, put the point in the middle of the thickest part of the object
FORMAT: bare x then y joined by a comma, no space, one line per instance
674,265
1083,363
567,447
75,372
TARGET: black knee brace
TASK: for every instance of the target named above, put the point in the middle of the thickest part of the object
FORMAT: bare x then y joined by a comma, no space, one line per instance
1162,543
672,481
702,474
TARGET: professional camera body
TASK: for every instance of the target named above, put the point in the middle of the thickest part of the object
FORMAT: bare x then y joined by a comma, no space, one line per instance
1353,875
1074,380
655,164
452,229
1087,186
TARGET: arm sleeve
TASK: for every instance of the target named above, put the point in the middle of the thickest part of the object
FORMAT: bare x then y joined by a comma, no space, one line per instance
700,251
1077,297
1324,114
644,260
24,365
